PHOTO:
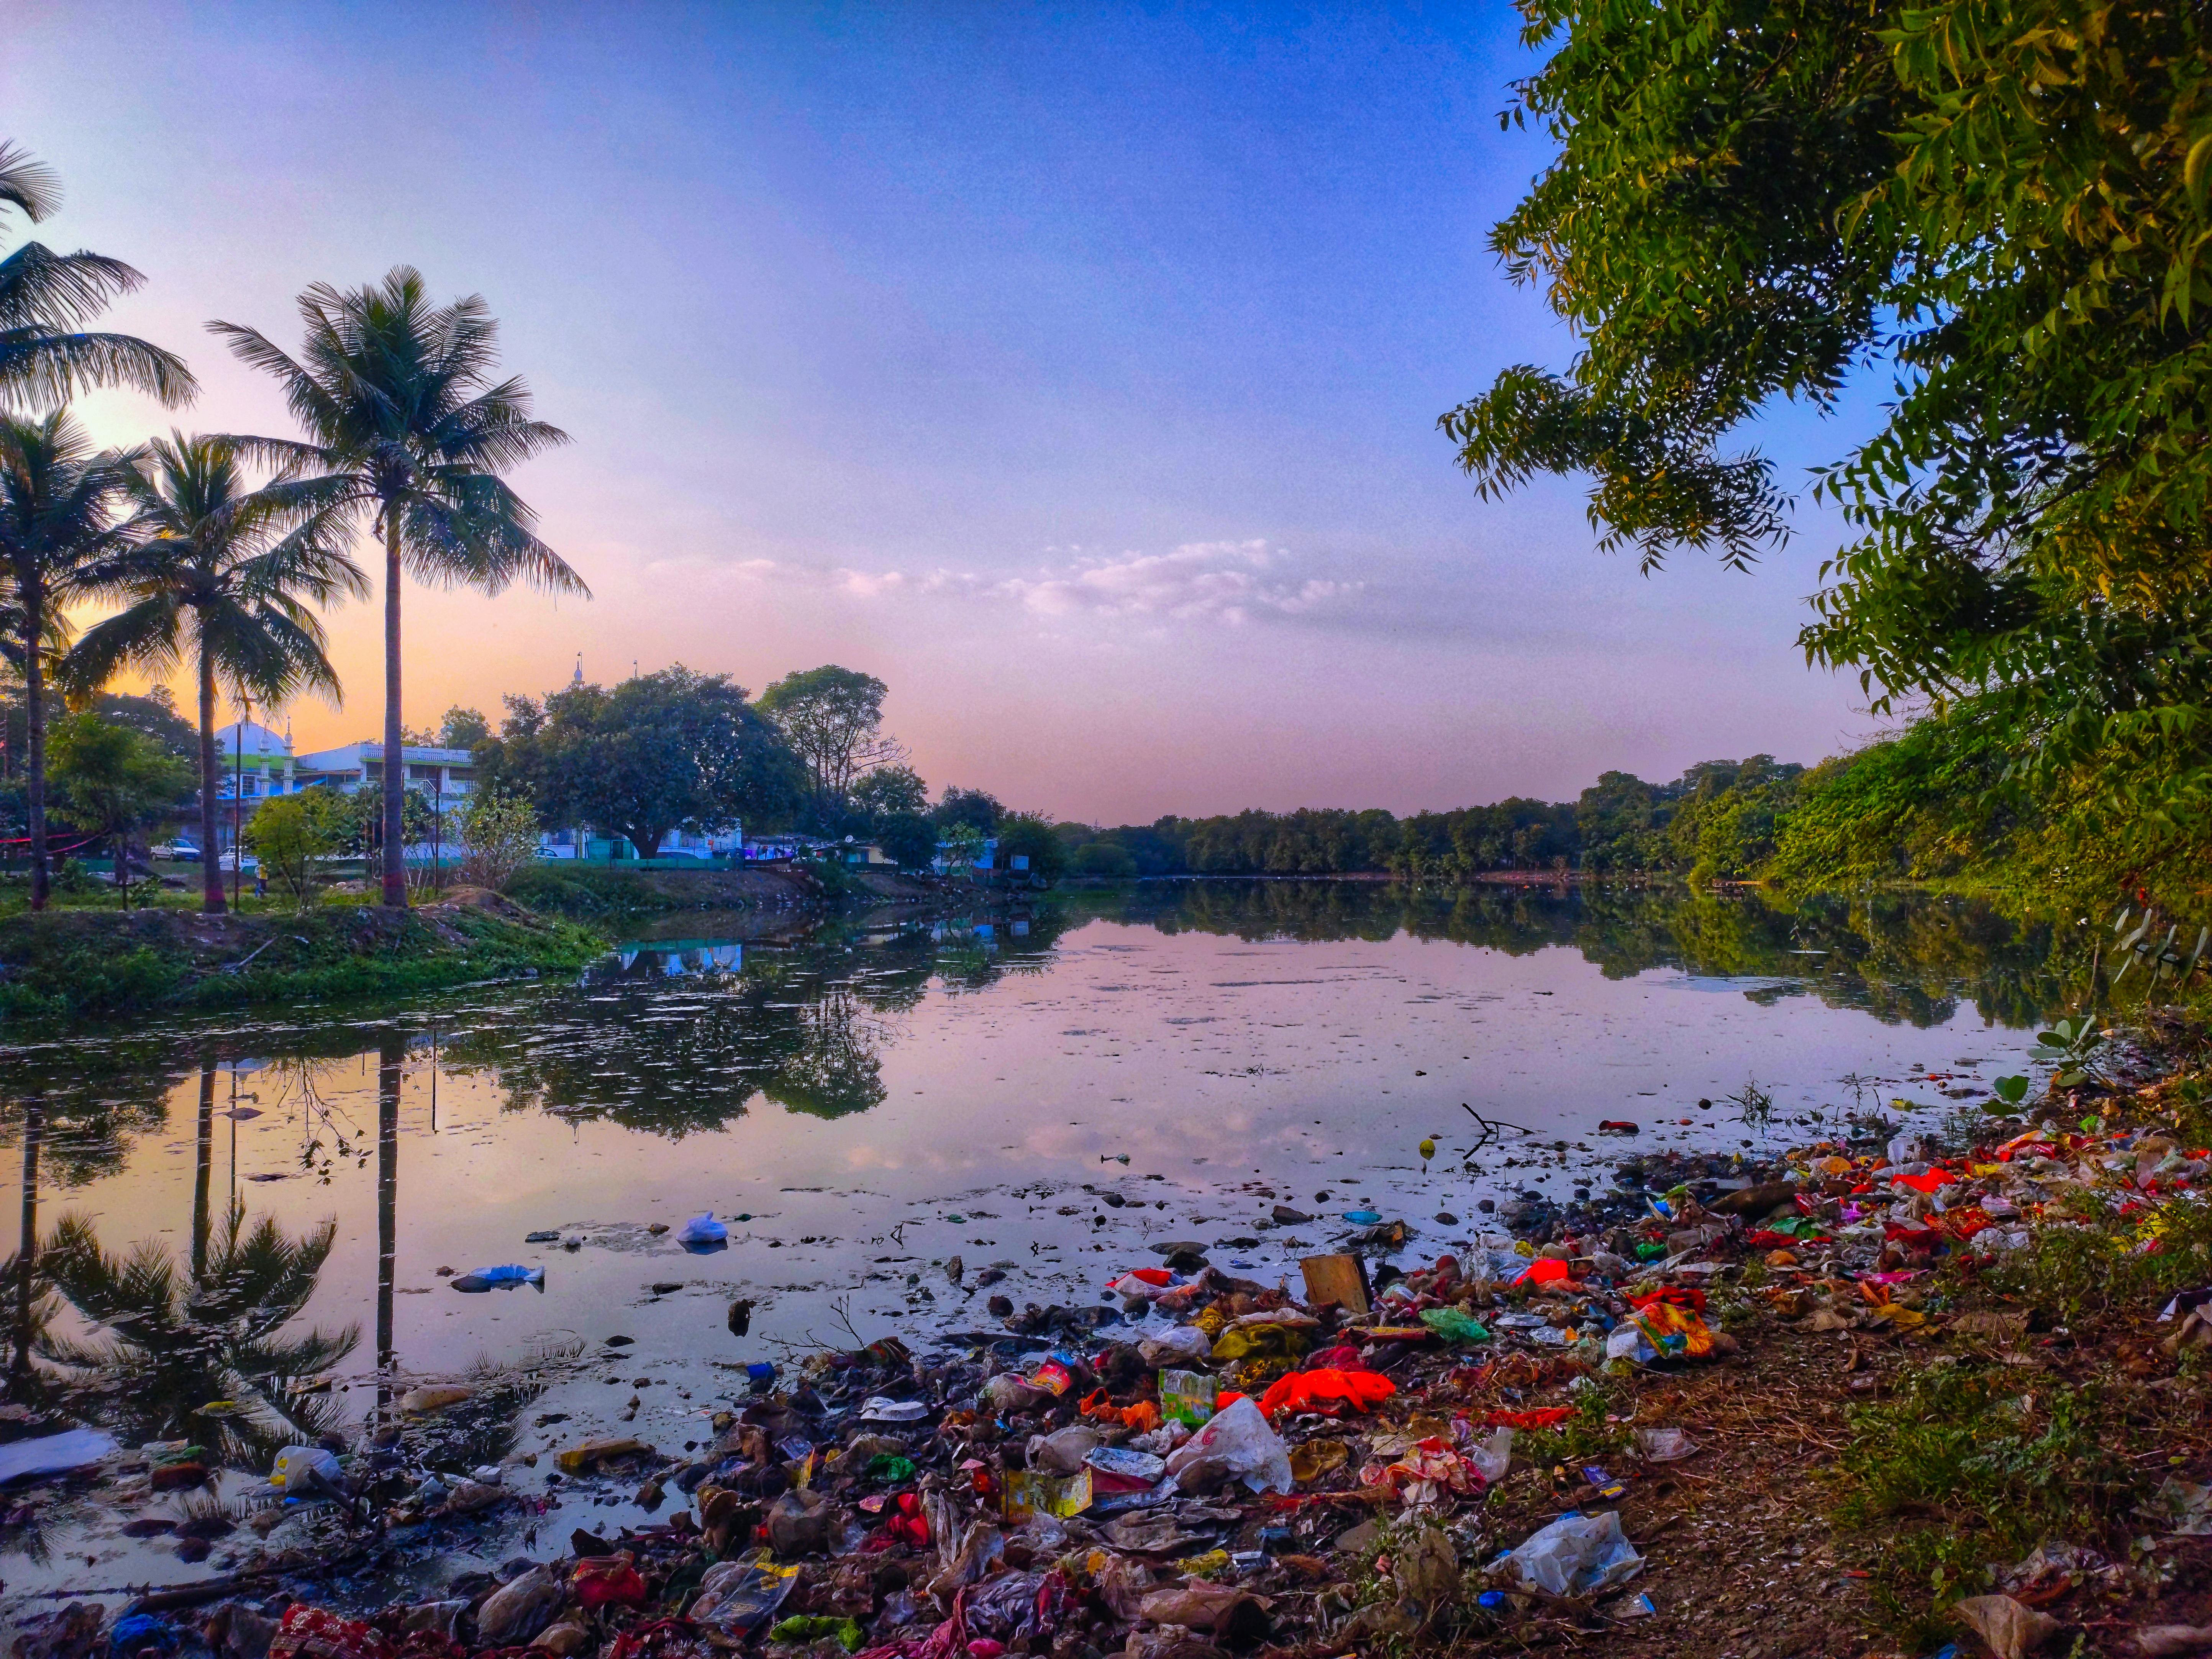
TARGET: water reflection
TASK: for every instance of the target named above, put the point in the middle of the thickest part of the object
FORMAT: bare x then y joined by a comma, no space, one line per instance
199,1352
1908,958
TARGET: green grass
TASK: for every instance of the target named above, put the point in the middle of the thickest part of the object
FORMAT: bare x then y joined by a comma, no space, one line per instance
77,964
1967,1466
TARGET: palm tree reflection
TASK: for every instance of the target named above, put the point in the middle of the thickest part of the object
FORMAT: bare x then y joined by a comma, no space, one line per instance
198,1354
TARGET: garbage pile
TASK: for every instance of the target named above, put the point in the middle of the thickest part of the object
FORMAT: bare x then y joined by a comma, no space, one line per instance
1200,1464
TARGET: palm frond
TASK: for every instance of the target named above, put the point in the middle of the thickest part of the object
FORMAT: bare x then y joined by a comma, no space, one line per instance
31,188
54,368
55,293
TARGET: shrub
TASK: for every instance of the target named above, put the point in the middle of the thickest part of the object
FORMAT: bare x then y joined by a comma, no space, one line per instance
499,833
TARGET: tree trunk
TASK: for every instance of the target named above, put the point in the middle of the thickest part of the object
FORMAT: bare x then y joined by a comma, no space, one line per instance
646,841
26,1252
391,1057
203,1169
211,775
395,761
35,729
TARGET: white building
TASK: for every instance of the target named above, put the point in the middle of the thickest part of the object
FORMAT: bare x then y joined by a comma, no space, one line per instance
254,761
449,775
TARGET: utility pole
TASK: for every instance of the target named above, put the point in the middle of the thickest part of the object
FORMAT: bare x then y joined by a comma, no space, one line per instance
238,816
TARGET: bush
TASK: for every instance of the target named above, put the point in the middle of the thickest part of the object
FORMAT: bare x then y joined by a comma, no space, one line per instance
1030,835
1103,857
500,832
292,835
909,839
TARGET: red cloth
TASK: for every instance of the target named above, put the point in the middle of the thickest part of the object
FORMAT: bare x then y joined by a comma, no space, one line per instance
1544,1417
1928,1182
1681,1296
1544,1270
1327,1391
311,1633
603,1580
1342,1358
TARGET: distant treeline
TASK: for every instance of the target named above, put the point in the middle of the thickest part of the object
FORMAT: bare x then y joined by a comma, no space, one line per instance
1933,802
1718,818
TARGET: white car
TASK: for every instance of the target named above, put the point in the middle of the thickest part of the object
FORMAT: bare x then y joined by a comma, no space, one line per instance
229,863
178,852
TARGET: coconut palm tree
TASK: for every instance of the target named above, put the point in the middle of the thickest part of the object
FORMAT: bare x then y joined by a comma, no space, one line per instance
46,297
407,428
221,575
169,1342
58,522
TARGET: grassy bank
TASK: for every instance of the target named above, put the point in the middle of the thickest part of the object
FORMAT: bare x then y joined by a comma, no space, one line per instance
102,963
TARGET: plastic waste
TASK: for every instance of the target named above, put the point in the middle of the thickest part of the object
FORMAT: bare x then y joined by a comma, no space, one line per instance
507,1276
608,1581
1128,1464
434,1397
1362,1218
1185,1396
1454,1324
54,1454
1665,1445
1238,1438
811,1626
298,1467
1327,1391
879,1409
1063,1452
1575,1555
513,1613
1183,1345
702,1230
798,1523
1627,1341
1493,1458
737,1596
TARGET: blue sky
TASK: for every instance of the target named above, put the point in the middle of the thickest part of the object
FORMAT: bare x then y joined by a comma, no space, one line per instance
1074,370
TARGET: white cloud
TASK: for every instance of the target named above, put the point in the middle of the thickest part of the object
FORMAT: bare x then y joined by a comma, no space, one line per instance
1231,583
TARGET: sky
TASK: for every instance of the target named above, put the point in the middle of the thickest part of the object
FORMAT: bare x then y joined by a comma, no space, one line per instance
1073,370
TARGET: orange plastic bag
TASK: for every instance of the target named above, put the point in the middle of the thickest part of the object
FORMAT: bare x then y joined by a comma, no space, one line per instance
1327,1391
1144,1416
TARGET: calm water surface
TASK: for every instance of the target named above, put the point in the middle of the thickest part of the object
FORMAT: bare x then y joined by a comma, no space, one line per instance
863,1104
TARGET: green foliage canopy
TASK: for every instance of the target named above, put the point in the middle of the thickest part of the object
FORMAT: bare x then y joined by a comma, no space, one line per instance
2007,207
660,751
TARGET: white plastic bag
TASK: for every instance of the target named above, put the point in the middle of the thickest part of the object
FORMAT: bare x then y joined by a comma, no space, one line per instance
1492,1457
1176,1348
1665,1445
1576,1555
1240,1437
1626,1341
293,1463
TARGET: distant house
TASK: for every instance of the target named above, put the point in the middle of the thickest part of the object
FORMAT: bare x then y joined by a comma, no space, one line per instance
946,861
449,775
580,843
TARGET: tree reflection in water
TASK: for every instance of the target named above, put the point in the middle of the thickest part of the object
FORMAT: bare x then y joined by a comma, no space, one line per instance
196,1352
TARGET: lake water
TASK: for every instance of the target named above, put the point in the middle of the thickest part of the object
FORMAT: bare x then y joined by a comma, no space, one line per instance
1040,1092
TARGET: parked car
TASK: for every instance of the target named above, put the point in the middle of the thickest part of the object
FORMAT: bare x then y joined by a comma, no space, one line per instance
177,851
229,862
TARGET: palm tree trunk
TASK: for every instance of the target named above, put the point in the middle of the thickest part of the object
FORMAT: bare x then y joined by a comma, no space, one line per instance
35,727
395,762
391,1053
211,775
27,1252
201,1171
